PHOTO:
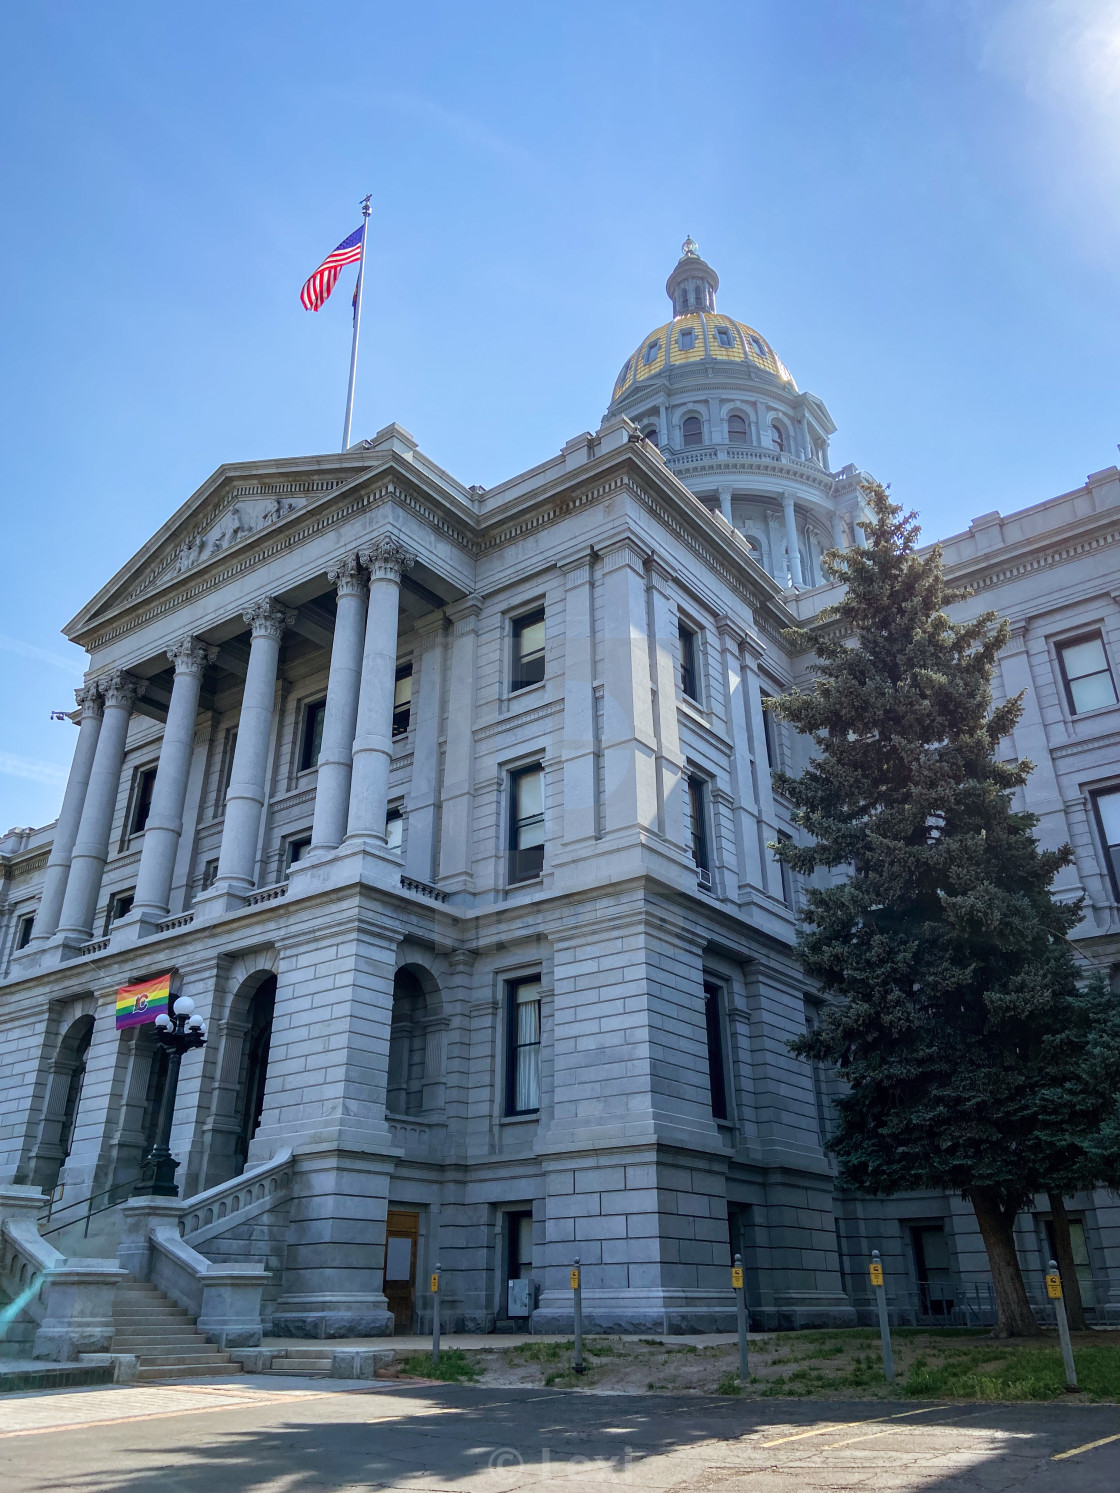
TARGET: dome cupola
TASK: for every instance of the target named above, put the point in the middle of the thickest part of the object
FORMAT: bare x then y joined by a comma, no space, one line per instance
693,284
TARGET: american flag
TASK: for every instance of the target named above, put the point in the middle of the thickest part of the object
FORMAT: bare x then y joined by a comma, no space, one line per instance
322,282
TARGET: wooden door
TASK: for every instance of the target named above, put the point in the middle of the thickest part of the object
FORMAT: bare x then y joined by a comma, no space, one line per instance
402,1233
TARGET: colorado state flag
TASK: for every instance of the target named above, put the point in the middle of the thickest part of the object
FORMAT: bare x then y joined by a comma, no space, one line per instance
143,1002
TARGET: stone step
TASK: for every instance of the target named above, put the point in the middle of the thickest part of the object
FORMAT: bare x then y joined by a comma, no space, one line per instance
153,1344
147,1372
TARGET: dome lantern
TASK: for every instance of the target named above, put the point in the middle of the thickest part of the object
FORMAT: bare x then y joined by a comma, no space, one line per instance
693,284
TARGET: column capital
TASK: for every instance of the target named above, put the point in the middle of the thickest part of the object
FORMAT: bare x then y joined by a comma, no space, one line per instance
732,634
624,553
386,558
88,699
1017,639
463,615
120,688
660,575
190,656
268,618
347,576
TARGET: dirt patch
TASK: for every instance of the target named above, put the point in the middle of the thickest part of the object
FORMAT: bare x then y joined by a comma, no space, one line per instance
820,1365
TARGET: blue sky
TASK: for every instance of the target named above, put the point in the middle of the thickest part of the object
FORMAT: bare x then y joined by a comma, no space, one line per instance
915,200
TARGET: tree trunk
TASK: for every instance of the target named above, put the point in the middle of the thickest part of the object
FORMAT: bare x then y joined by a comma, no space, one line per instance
1063,1248
997,1221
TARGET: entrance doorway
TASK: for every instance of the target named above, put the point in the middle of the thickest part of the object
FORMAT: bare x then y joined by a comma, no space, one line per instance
933,1268
255,1067
519,1266
402,1235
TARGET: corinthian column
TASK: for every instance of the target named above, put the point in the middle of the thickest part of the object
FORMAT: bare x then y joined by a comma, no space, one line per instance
165,818
336,752
91,845
237,859
385,559
66,830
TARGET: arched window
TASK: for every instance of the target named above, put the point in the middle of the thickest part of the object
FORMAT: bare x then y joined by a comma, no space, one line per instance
692,430
737,430
778,436
650,434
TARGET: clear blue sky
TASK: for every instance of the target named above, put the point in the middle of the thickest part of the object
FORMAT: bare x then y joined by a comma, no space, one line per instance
916,200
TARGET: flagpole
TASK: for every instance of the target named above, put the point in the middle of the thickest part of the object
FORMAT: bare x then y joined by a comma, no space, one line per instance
357,323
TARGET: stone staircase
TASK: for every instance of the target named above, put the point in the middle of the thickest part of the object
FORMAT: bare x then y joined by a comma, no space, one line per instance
163,1336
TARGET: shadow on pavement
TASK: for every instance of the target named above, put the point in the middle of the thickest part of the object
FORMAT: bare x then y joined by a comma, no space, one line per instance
493,1440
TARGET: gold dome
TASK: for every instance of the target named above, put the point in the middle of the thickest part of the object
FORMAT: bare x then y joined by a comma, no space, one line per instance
692,338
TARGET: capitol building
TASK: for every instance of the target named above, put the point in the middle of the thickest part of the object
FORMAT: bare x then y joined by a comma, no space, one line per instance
451,809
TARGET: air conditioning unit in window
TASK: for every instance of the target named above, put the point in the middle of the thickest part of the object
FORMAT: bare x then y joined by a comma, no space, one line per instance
703,877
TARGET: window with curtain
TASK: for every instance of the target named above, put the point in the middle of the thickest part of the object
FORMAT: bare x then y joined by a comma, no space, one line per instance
1107,807
523,1047
698,814
1086,674
528,649
313,717
690,678
713,1022
526,823
402,700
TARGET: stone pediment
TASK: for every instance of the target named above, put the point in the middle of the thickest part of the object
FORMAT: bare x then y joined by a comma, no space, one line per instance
226,511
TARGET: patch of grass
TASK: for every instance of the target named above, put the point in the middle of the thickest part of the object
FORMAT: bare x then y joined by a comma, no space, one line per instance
540,1352
454,1367
994,1372
650,1342
566,1379
729,1384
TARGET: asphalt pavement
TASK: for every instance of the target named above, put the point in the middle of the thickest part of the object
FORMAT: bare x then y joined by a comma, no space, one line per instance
255,1434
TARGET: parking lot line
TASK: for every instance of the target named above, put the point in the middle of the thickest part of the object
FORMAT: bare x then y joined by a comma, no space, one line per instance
1088,1447
843,1425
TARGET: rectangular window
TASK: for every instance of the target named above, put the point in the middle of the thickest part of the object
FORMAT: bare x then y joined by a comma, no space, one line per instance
142,799
25,930
402,700
394,829
528,649
298,848
1107,809
226,775
698,817
690,678
1086,675
523,1046
526,823
120,906
313,717
723,337
768,730
686,339
787,874
713,1022
209,873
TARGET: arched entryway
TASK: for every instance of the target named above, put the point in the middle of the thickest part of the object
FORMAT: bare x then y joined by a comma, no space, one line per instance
254,1066
64,1098
405,1087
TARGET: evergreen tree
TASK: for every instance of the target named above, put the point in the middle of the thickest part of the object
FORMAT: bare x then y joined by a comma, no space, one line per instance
960,998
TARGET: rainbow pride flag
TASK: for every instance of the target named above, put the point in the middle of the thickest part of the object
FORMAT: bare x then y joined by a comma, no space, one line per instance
143,1002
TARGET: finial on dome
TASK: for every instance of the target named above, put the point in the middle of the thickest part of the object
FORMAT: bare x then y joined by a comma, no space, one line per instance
690,249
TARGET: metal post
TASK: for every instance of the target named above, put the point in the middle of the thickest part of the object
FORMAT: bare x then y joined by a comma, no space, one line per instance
884,1321
741,1315
577,1311
357,323
435,1314
1054,1292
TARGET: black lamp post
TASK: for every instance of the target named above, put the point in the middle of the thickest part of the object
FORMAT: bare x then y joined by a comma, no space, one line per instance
176,1034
